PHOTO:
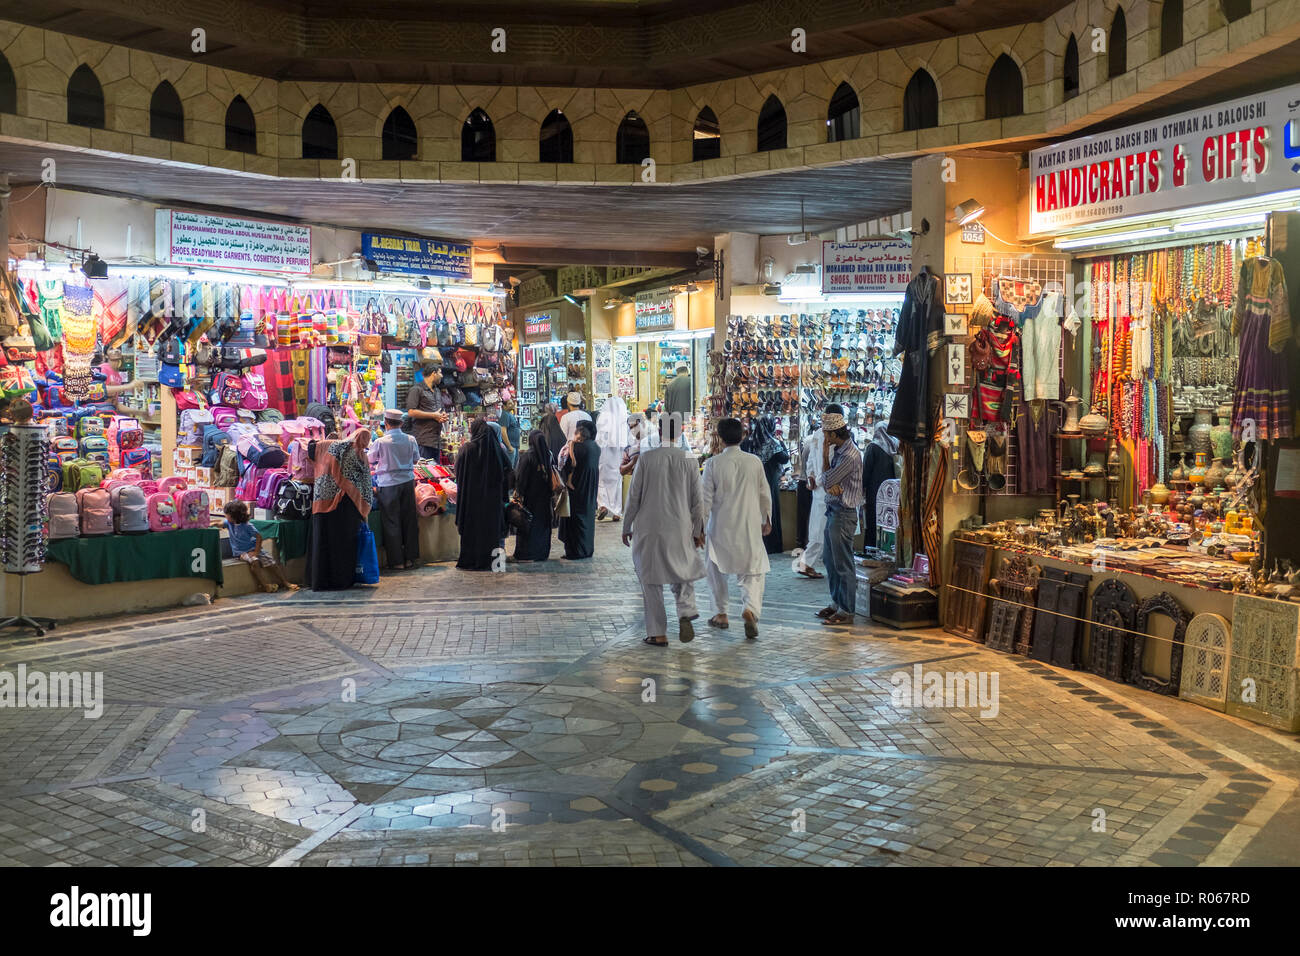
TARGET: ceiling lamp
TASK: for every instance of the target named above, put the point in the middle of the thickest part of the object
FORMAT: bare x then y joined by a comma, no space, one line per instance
967,212
691,288
93,267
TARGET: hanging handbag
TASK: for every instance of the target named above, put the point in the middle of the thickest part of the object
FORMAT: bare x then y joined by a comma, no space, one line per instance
518,517
371,344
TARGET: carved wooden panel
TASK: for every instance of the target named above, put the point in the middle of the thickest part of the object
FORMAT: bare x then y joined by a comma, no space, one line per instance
964,616
1114,615
1208,645
1263,681
1058,624
1009,618
1166,604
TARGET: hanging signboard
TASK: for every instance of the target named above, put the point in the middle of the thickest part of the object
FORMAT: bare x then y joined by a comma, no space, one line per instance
1245,148
867,265
221,242
537,326
435,258
654,310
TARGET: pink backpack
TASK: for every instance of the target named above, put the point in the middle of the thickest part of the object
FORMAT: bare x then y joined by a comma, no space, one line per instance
315,427
291,429
149,487
162,512
229,389
246,489
65,520
268,486
255,396
301,467
96,509
273,431
169,486
223,416
125,474
192,509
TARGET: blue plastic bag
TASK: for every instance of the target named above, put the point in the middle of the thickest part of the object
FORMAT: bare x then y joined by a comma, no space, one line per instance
367,557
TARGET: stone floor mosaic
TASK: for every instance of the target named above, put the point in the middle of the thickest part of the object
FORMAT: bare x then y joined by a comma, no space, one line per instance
450,718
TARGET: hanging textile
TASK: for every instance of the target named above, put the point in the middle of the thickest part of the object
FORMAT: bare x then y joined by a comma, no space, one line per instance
1264,326
79,338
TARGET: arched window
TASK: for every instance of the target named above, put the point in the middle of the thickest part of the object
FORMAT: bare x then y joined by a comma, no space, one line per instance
478,139
399,140
555,144
632,144
920,102
85,98
320,137
1171,26
1070,71
844,116
241,127
771,125
706,142
1235,9
166,115
1004,91
8,87
1118,51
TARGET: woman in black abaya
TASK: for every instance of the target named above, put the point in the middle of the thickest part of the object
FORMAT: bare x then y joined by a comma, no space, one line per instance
771,451
581,474
341,500
533,488
550,427
481,492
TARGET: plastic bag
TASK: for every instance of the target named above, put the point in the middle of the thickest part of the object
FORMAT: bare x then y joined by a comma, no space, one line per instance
367,571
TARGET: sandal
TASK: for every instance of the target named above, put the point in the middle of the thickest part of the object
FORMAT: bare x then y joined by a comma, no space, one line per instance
720,625
811,573
653,643
838,620
685,630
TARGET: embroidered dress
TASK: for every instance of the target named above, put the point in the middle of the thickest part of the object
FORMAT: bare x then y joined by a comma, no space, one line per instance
1262,321
920,326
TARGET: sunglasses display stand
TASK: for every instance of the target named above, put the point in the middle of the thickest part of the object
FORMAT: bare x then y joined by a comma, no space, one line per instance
24,450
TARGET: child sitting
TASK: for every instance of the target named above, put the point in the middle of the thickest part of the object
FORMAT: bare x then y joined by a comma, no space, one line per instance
246,545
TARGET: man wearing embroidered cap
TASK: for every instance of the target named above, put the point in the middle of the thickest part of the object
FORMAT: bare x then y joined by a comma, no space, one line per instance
393,459
842,479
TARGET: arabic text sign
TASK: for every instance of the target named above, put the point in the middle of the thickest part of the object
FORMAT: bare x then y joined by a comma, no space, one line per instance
867,265
436,258
220,242
655,310
1244,148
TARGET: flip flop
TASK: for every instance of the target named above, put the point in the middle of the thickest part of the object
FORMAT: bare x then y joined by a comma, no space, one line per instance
838,620
720,625
810,573
653,643
751,628
685,630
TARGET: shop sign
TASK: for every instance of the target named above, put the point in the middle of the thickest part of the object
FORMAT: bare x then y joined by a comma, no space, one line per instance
1245,148
221,242
537,326
866,265
435,258
654,310
973,233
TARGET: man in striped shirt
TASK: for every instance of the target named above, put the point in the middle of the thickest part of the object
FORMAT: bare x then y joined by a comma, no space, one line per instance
842,479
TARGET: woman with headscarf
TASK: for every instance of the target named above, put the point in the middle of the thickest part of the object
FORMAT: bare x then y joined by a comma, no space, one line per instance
581,474
771,451
481,492
533,490
612,436
550,427
878,466
342,497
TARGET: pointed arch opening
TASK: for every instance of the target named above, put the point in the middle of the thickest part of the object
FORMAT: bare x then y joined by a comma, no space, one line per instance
399,139
1117,52
320,137
1070,70
166,114
478,138
706,138
1004,91
8,87
632,142
844,115
921,102
771,125
555,143
85,99
241,126
1234,9
1171,26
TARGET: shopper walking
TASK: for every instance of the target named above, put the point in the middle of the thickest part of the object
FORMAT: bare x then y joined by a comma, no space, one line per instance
393,459
342,499
513,429
663,522
481,494
771,451
843,481
815,455
581,474
424,405
612,436
533,490
738,506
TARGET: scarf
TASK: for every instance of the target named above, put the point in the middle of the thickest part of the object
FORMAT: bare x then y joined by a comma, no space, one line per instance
762,441
342,469
540,450
885,440
611,425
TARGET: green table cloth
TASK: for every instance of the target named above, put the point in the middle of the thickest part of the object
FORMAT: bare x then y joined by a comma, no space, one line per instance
290,537
189,553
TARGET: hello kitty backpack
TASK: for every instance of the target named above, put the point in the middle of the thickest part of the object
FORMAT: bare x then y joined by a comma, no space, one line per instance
162,512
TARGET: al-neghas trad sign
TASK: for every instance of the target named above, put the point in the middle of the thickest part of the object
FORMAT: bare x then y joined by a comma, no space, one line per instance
1244,148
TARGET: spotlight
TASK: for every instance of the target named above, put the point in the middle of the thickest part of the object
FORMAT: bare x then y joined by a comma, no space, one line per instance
967,212
93,267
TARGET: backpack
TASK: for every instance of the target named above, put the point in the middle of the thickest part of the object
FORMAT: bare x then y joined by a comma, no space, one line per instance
65,445
293,500
273,431
225,474
96,512
301,467
130,509
228,390
261,452
169,486
255,396
54,474
149,487
193,509
162,512
79,473
292,429
223,416
139,460
129,475
249,476
89,425
213,438
194,422
93,444
315,427
65,520
268,487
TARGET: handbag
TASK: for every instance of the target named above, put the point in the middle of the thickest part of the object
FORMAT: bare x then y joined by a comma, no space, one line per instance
518,517
367,570
370,343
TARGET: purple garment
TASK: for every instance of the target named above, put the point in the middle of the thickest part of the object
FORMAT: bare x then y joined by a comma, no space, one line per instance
1034,453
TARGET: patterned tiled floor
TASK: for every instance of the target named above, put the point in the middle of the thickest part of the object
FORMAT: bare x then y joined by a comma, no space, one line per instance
515,719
